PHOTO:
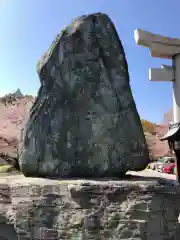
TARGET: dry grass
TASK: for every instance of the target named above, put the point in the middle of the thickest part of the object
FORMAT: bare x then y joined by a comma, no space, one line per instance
6,168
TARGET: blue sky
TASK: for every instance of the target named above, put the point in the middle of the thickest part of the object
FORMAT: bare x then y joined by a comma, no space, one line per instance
28,28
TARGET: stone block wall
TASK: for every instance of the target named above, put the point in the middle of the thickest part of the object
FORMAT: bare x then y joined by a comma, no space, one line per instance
85,209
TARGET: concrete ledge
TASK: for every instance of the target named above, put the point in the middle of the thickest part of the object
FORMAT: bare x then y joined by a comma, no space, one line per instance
160,46
146,38
161,74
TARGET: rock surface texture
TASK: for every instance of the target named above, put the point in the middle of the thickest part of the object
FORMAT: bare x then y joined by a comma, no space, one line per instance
84,121
134,209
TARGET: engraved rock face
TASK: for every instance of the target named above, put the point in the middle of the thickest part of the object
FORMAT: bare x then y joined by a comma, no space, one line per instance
84,121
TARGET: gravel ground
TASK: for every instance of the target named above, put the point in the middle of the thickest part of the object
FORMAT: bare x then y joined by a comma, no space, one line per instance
146,174
162,177
151,173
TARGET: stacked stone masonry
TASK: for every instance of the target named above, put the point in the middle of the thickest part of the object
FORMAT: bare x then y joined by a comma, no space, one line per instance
134,209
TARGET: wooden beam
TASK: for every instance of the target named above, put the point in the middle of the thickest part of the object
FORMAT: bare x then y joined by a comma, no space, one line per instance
161,74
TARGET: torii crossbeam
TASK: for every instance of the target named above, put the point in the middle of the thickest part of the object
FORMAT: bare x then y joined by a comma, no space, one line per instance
168,48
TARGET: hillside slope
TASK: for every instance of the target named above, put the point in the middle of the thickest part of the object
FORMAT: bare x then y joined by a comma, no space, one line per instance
12,118
156,147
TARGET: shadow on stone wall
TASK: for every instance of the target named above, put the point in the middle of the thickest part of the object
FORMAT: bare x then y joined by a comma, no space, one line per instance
7,230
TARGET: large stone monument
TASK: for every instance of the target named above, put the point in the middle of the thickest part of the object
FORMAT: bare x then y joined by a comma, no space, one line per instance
84,122
61,139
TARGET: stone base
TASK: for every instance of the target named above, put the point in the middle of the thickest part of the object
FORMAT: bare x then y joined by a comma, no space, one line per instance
135,208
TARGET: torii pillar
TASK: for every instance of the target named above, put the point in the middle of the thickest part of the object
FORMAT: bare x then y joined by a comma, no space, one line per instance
168,48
